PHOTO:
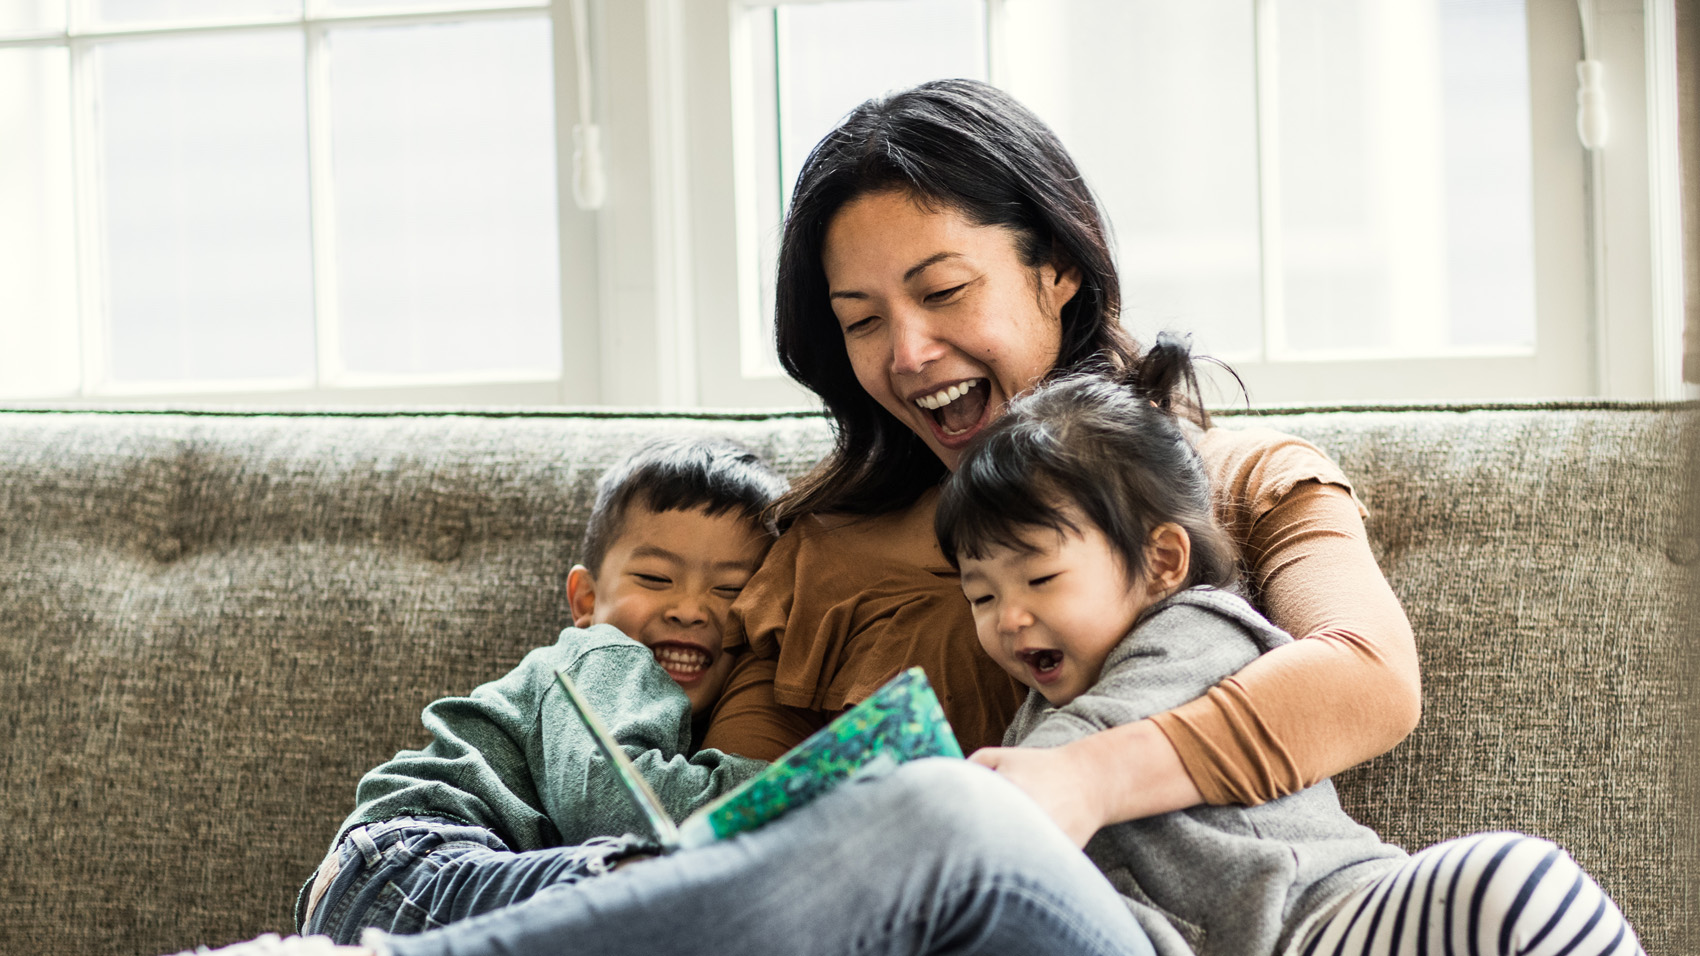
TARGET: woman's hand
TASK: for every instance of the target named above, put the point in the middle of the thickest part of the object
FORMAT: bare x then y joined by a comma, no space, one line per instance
1123,773
1058,781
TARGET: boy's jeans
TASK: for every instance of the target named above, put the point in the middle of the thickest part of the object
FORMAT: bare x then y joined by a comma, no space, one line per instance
412,874
939,856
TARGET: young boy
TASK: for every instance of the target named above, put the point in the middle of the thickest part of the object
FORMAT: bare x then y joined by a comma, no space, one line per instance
507,799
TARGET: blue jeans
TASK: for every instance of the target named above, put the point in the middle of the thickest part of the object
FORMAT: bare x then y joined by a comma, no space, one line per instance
939,856
412,874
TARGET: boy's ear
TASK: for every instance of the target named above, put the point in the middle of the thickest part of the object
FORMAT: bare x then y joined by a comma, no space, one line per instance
581,595
1168,558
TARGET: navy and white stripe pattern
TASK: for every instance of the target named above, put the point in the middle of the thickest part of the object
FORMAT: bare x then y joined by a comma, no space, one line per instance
1490,894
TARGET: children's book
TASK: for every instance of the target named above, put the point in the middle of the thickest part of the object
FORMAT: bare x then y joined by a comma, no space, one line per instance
901,721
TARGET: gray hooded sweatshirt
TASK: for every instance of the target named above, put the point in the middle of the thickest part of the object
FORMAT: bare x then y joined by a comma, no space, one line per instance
1210,881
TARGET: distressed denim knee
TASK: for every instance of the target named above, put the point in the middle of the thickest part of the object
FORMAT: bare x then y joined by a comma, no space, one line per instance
374,865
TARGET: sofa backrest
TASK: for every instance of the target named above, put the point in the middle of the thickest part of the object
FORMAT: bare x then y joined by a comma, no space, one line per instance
212,625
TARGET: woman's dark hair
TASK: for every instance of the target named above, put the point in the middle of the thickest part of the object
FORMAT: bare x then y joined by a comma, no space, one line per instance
1104,448
960,145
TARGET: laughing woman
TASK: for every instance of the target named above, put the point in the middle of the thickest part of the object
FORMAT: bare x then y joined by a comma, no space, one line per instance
943,254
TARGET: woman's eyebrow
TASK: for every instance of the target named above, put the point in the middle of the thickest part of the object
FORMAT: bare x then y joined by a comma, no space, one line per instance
929,262
912,272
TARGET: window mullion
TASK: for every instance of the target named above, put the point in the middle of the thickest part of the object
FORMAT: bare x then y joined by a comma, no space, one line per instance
1267,56
327,339
88,198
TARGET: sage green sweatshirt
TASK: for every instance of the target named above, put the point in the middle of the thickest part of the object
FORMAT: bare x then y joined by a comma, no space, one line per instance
513,757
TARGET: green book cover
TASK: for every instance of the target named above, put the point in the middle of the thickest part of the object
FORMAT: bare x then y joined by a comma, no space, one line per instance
901,721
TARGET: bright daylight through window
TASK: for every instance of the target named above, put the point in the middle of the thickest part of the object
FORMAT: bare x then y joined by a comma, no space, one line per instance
362,200
229,197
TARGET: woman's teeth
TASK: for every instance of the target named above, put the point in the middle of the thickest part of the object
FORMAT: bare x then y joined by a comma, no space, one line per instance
681,660
945,396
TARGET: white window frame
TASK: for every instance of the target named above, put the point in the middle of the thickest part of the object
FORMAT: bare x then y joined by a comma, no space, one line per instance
330,384
662,286
1607,244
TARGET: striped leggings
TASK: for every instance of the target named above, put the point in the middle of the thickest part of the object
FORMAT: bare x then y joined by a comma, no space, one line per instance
1490,894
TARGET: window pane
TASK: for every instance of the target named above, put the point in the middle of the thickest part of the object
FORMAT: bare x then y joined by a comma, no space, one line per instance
445,198
207,246
38,303
828,58
385,6
1405,175
832,56
31,17
1157,102
1490,243
132,12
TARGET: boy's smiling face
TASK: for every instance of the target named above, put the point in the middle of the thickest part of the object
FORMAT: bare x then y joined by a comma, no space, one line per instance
667,582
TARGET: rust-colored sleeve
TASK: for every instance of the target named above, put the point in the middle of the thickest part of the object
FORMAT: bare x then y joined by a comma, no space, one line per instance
1345,691
749,722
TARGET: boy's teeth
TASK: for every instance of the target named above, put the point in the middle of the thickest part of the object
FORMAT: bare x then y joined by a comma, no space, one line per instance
945,396
678,658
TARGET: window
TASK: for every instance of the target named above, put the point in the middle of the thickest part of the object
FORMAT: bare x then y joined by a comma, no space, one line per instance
252,197
1349,201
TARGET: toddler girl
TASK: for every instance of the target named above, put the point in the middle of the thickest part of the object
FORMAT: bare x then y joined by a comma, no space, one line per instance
1081,524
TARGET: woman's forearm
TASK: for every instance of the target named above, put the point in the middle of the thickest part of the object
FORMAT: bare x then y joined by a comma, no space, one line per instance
1346,691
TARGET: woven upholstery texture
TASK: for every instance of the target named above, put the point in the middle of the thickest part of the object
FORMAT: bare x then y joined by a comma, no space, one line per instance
211,625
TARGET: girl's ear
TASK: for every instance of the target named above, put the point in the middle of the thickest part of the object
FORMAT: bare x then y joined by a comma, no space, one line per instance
1168,559
581,596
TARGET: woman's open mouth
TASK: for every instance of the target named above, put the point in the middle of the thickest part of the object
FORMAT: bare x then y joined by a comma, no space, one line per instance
1045,664
957,410
685,663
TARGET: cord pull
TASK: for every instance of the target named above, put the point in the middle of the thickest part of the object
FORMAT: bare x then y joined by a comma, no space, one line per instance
590,183
1591,125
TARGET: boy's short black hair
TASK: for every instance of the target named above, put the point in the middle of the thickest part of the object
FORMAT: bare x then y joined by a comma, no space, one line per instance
1093,448
678,474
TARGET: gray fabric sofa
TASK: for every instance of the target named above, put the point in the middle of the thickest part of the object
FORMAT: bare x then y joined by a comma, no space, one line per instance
212,624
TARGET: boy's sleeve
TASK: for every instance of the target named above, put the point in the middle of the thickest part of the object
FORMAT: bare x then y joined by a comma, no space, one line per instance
1167,660
648,715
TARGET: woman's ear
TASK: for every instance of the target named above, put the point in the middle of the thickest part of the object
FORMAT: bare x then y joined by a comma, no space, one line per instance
581,596
1059,282
1168,559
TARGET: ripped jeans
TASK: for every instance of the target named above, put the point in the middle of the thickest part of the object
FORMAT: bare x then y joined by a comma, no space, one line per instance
412,874
938,857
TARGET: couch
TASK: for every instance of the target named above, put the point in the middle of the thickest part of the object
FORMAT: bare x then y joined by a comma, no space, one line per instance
211,624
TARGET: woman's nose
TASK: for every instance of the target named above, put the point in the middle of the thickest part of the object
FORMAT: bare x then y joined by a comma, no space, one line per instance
913,344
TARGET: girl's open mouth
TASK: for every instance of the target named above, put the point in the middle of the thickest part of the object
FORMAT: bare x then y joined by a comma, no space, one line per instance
957,410
1045,664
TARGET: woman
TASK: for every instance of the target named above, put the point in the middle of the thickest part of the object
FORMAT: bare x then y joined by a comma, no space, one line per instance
941,255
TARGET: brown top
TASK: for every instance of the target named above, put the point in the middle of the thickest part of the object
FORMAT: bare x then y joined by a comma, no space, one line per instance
878,596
